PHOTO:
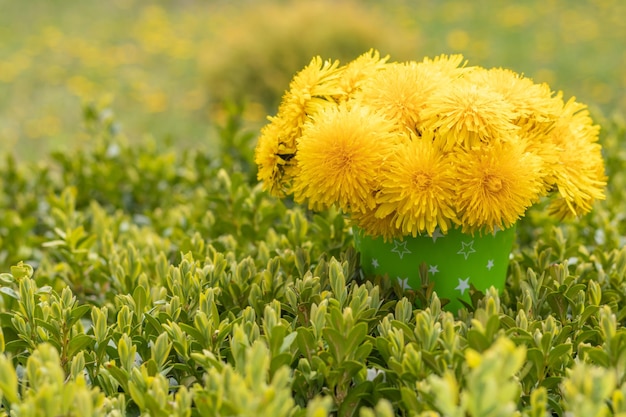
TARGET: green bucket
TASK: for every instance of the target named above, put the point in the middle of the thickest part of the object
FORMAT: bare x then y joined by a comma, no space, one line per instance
454,261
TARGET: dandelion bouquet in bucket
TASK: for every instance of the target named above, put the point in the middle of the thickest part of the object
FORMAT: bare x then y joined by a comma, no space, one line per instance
431,154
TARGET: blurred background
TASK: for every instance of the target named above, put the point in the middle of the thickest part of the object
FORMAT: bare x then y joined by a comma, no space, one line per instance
175,71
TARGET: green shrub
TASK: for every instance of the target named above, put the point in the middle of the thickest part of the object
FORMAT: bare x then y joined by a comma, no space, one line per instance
161,281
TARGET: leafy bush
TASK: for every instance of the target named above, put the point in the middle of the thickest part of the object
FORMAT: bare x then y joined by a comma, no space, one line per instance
142,280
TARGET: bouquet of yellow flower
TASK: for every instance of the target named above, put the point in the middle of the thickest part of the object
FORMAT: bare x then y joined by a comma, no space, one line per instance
405,148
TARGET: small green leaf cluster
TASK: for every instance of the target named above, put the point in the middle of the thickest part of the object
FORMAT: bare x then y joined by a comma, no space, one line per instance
159,282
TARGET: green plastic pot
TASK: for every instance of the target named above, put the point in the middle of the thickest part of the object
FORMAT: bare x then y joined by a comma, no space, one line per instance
454,261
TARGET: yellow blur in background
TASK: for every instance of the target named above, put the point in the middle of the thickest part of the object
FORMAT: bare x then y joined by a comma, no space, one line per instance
166,69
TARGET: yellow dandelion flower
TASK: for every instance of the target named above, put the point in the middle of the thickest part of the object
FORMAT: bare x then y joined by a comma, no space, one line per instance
495,185
418,184
533,103
466,113
355,73
310,91
540,145
575,119
579,174
274,157
400,91
405,148
374,225
267,160
339,157
536,133
443,67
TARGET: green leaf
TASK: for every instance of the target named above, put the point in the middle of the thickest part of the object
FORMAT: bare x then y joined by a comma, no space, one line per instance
7,278
342,347
410,399
17,346
278,361
477,340
287,342
21,271
8,381
597,355
492,327
354,400
307,344
10,292
120,375
559,303
161,350
590,310
140,297
551,382
536,357
154,323
559,355
193,333
78,343
52,327
77,313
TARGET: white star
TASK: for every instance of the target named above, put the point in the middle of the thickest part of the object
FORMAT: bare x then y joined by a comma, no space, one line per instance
433,269
466,249
372,373
404,282
375,263
463,285
436,234
400,248
490,264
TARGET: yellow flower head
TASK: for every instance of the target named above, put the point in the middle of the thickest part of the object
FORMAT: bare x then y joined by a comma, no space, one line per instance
579,174
318,79
340,155
355,73
418,185
443,67
373,225
532,103
400,91
274,157
276,147
310,91
405,148
495,184
465,113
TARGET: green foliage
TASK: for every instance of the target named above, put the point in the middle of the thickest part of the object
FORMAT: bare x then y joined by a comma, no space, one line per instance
149,277
143,280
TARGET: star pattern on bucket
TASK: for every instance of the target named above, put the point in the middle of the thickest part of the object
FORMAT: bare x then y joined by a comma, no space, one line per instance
455,264
463,285
404,283
436,234
466,249
400,248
